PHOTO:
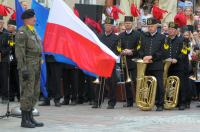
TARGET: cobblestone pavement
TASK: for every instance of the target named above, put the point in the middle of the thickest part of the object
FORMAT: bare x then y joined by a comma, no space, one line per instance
82,118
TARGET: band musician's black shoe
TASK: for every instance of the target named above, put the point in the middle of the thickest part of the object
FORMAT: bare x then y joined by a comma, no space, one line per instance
45,103
159,108
65,102
95,105
57,103
181,107
91,102
110,107
128,105
188,106
198,106
12,99
73,103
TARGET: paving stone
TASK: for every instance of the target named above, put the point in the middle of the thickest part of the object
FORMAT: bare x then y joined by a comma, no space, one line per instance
82,118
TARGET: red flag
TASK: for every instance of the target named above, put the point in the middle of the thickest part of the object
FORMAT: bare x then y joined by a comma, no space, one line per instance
158,13
4,11
134,10
94,24
180,19
76,12
115,12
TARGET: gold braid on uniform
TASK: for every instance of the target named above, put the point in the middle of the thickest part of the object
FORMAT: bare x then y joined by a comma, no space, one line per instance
166,45
139,44
11,42
119,46
186,48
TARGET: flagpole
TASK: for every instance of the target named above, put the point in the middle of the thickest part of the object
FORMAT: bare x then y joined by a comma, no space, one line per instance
47,5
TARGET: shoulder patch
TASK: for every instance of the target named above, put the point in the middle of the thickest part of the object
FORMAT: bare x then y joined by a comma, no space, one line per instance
21,32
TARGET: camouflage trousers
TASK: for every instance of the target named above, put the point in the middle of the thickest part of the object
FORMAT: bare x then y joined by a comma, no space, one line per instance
30,89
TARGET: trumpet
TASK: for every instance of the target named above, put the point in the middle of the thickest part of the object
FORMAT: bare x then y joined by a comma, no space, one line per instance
124,62
101,82
96,81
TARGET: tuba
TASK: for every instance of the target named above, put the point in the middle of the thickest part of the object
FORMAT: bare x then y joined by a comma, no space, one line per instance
145,88
171,85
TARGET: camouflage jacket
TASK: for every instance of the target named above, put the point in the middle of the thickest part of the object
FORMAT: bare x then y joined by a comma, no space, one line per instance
27,48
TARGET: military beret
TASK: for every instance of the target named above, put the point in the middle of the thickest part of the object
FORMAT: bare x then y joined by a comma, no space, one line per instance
109,21
12,22
28,14
173,25
152,21
128,19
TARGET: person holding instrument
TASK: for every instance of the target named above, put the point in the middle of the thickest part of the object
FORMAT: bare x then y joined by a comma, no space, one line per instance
152,51
173,52
111,41
129,43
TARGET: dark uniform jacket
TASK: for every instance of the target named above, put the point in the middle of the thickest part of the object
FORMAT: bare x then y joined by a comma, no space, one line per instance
153,46
172,49
185,51
130,41
11,44
4,47
111,41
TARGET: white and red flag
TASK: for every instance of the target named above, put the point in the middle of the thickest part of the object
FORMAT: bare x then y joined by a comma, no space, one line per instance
69,38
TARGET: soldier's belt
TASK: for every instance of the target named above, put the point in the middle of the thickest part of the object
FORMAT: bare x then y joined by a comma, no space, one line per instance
33,54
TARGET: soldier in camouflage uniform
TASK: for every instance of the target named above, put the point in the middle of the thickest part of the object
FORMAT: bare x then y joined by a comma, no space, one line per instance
28,54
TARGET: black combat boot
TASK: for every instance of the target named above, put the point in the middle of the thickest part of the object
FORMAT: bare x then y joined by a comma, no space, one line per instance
37,124
65,102
25,120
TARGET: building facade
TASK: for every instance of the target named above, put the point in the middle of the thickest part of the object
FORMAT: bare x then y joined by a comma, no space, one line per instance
167,5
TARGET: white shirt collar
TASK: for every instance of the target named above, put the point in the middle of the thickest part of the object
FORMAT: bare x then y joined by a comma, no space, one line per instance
152,34
129,31
107,33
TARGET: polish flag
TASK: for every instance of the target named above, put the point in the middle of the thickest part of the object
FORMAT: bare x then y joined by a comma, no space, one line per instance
68,36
